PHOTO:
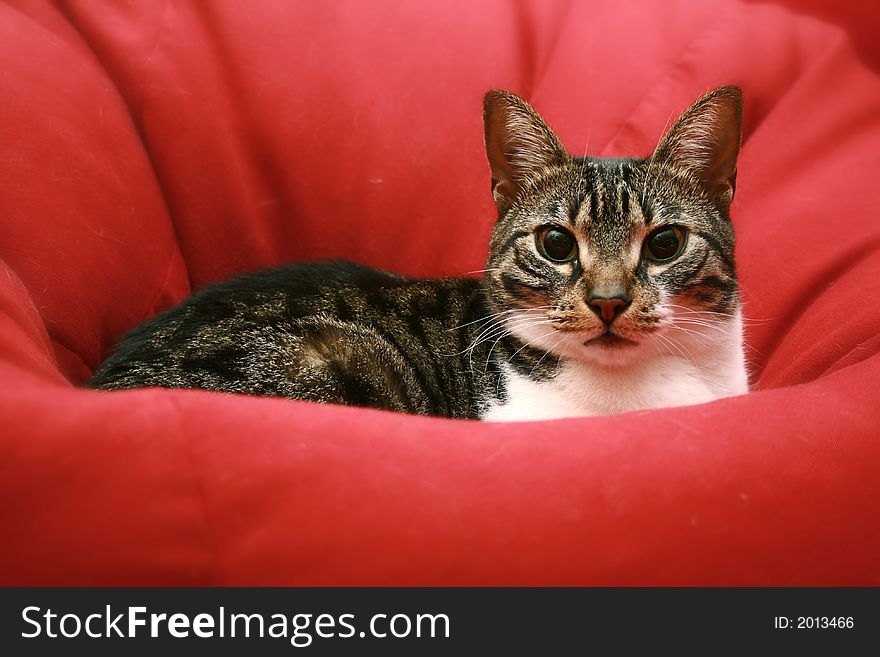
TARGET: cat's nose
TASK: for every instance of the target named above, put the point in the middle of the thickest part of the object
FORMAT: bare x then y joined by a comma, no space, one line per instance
608,304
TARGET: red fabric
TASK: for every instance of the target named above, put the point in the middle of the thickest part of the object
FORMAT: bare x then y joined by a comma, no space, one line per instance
148,148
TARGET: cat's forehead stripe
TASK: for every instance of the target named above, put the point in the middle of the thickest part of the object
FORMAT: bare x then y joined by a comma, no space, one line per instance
584,213
606,213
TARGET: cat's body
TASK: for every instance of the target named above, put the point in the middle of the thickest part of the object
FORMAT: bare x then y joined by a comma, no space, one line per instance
610,287
331,332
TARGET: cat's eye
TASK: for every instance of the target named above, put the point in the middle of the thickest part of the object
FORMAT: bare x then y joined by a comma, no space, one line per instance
665,244
556,244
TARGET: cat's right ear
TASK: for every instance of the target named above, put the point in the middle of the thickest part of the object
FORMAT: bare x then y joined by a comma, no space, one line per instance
519,145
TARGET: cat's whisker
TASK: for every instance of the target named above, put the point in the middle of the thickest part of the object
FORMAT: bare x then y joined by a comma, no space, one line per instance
747,320
583,166
512,329
745,289
481,271
691,331
701,325
547,351
497,330
666,339
686,309
527,344
703,317
498,334
485,323
671,344
520,323
707,316
663,343
708,325
484,331
497,315
489,333
487,318
497,387
687,351
711,321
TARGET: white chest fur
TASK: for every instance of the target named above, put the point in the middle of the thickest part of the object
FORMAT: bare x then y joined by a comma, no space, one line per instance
658,381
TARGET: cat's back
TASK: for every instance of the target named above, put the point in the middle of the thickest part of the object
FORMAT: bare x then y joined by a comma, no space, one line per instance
314,331
337,290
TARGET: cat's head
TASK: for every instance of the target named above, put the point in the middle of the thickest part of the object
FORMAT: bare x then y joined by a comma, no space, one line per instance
603,260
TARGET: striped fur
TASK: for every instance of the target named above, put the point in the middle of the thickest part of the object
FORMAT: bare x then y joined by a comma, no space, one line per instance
523,343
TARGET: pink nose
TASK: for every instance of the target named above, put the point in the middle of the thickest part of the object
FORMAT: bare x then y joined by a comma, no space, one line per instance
608,309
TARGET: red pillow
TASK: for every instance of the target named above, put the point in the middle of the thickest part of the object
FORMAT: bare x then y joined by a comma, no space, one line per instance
151,148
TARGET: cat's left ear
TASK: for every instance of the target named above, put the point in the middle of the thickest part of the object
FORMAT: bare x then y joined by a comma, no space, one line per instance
705,142
519,145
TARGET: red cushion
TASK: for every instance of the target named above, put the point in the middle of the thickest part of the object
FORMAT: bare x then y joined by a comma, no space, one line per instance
149,148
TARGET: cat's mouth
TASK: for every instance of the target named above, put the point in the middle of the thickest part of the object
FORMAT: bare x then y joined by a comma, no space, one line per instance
610,341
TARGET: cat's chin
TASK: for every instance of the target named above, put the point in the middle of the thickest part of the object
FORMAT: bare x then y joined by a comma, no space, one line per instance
606,350
610,350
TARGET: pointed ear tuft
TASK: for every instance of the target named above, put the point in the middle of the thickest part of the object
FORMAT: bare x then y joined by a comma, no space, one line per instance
705,142
519,145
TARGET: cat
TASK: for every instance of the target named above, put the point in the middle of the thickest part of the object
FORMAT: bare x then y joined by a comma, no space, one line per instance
610,287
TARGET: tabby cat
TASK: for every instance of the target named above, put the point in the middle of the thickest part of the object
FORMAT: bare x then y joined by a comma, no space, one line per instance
610,286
